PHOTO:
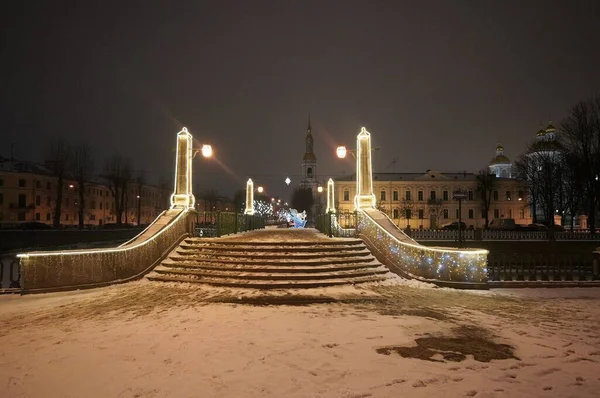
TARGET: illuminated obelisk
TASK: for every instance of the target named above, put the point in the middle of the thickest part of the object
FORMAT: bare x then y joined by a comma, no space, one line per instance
182,197
364,199
249,197
330,197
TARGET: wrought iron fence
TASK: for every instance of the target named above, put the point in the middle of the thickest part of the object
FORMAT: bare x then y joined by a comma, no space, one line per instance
337,224
216,223
542,267
10,272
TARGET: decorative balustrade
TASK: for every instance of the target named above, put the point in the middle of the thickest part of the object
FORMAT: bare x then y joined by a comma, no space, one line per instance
513,235
438,234
542,267
216,223
567,235
465,268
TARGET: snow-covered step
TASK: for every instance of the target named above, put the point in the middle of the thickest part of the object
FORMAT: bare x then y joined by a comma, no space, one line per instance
251,284
266,243
290,276
266,261
291,259
280,255
272,268
273,248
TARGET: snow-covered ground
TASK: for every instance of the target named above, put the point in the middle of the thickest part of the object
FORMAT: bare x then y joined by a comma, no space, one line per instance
396,339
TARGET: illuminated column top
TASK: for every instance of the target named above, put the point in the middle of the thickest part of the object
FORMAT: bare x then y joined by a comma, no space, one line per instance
330,197
182,197
249,197
364,199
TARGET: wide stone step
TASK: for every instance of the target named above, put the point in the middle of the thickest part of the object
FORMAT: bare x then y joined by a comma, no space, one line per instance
268,249
269,256
267,276
267,261
234,242
274,268
253,284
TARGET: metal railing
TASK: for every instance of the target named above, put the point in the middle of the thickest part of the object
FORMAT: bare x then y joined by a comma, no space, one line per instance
542,267
338,225
216,223
470,234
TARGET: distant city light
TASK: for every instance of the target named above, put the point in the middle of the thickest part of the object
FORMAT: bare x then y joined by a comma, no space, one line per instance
71,186
320,189
287,181
341,152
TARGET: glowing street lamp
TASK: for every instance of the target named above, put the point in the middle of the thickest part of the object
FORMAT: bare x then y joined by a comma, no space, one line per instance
206,150
341,152
260,189
320,189
287,181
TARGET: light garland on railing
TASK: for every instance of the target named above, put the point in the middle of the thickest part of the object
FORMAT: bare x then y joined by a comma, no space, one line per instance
425,262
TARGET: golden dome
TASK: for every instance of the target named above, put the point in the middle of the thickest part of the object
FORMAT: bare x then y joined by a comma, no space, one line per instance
309,156
499,159
550,128
541,132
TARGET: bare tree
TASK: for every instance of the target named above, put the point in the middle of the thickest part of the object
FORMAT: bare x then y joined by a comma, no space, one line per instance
59,160
140,180
82,167
406,210
210,198
118,174
303,200
239,199
434,206
486,183
581,138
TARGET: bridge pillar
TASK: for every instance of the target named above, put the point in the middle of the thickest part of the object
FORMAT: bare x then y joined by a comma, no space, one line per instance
249,197
330,197
364,199
182,197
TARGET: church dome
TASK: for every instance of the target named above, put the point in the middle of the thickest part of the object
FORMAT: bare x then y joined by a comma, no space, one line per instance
550,128
499,159
541,132
309,156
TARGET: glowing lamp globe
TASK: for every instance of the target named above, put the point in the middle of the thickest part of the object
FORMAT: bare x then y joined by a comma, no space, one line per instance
320,189
260,189
341,152
287,181
206,151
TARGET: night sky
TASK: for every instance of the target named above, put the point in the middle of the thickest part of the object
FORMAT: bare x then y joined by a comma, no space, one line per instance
438,83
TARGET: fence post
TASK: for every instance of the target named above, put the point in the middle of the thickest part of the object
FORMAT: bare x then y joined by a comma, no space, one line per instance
596,264
218,224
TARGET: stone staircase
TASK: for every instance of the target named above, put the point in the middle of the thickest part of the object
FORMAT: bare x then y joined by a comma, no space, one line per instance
260,264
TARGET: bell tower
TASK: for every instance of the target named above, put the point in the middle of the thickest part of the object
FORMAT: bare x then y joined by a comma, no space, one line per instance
309,163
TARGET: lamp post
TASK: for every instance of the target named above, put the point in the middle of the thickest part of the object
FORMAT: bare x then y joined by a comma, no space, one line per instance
364,177
459,195
71,186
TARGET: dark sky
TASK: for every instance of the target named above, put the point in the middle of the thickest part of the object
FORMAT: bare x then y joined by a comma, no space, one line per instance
438,83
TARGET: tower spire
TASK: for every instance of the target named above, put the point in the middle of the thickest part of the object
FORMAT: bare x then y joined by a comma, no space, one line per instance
309,129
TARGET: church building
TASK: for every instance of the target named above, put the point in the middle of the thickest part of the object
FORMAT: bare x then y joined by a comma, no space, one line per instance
309,163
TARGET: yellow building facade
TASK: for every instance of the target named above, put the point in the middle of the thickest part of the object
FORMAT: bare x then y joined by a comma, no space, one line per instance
425,200
28,192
